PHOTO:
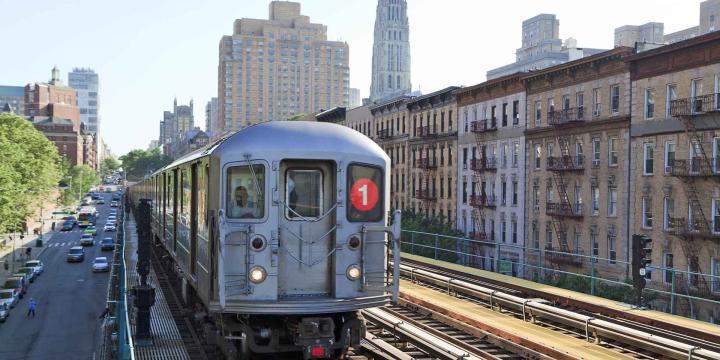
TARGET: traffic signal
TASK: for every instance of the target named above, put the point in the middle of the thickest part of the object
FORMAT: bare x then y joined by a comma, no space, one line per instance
641,259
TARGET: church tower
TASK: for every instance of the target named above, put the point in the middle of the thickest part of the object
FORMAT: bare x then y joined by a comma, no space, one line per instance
391,51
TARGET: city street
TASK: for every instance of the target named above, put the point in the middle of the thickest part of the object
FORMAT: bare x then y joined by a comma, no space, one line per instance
69,297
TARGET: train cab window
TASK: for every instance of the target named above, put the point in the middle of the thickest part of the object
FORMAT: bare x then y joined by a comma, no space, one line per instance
365,194
243,199
303,193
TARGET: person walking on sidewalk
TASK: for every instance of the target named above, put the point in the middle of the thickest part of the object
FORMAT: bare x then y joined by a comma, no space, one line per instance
31,307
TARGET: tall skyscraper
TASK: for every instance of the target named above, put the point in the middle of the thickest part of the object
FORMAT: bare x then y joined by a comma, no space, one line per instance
14,98
211,118
87,87
274,69
391,51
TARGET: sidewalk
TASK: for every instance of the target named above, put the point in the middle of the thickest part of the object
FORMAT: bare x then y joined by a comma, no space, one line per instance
21,246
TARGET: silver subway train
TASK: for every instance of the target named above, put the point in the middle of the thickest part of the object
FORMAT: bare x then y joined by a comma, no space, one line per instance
281,232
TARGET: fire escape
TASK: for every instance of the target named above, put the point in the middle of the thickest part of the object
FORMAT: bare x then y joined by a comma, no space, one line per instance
560,166
690,172
480,200
428,164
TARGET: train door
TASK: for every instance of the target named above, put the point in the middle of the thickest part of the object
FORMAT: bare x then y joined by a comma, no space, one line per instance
307,222
193,218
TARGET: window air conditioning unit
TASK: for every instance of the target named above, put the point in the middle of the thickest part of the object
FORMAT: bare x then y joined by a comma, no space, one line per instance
668,169
596,163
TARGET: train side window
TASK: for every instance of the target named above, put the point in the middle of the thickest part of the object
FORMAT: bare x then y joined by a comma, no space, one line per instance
243,199
303,193
365,194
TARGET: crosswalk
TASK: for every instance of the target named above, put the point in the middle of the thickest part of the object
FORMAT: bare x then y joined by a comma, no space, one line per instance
68,243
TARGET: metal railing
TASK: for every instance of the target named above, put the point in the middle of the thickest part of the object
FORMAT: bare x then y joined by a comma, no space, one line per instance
695,105
483,201
695,167
570,163
126,347
426,163
483,164
481,126
562,209
566,116
425,194
425,131
680,287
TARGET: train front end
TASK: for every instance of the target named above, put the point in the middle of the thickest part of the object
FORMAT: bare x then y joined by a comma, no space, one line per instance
303,237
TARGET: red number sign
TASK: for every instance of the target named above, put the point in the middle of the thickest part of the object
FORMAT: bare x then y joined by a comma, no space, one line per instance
364,194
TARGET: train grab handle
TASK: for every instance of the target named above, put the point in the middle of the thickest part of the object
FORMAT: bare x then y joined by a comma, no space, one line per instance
394,231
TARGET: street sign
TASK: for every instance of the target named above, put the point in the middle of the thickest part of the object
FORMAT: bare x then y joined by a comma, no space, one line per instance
642,272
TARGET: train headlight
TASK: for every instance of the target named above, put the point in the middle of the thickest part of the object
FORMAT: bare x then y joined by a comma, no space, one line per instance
353,272
257,274
353,242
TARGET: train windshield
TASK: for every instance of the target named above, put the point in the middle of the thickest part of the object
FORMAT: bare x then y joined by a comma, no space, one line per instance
245,196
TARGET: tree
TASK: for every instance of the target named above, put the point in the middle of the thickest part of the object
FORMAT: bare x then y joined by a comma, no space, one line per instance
29,170
138,163
413,221
80,179
108,165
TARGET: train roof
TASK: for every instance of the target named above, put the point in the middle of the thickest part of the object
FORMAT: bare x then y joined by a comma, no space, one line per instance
288,137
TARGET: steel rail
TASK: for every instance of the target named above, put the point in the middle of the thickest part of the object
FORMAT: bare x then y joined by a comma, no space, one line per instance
419,337
595,329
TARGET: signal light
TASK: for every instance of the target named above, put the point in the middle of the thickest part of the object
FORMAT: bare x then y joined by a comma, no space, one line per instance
317,351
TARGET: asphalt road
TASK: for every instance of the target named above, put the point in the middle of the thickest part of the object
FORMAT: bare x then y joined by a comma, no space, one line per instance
69,296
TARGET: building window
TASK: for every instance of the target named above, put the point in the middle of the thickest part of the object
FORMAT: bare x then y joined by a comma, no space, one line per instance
612,201
612,254
580,104
503,192
503,230
515,193
538,112
595,152
595,194
504,154
536,198
612,152
465,158
516,154
516,112
548,235
668,264
615,99
647,159
551,105
671,94
504,114
669,156
514,232
464,192
716,216
536,235
595,245
649,103
668,210
597,105
538,155
647,217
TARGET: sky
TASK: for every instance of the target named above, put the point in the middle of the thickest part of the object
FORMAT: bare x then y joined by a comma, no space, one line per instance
149,52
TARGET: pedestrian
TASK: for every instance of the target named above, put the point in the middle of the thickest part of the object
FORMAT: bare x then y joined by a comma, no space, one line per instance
31,307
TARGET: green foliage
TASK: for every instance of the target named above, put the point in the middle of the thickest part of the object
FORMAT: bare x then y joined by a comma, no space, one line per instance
80,179
138,163
108,165
424,244
603,289
29,170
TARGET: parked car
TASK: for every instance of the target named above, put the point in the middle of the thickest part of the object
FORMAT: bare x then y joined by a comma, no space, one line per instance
114,204
16,283
29,272
37,265
109,227
76,254
91,229
100,264
107,243
24,276
4,312
87,239
112,219
9,297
